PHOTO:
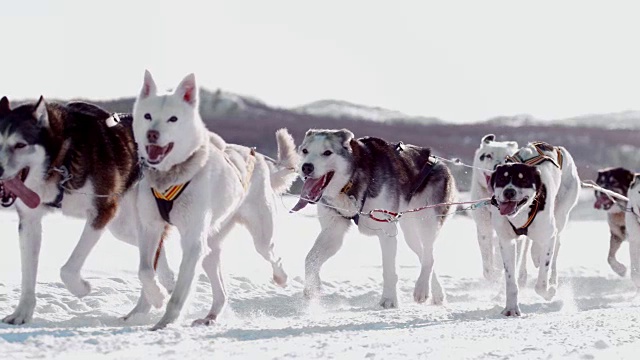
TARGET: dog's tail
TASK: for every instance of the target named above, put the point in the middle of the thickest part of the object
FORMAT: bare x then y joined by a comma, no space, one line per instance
283,170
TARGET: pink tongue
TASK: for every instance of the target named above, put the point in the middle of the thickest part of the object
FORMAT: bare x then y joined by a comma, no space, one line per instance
601,201
28,197
507,207
155,152
310,192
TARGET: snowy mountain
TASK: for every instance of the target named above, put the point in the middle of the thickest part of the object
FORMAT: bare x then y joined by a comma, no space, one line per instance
345,109
622,120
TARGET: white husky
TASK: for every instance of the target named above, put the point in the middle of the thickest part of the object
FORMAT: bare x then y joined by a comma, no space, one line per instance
218,185
490,154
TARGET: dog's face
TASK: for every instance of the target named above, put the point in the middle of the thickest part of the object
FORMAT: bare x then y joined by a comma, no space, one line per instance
167,127
21,150
614,179
323,154
514,186
492,153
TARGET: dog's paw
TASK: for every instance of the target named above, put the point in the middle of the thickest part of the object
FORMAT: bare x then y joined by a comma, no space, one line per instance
279,276
421,292
618,268
438,298
206,321
154,294
168,318
511,312
311,292
75,283
389,302
547,293
22,315
141,308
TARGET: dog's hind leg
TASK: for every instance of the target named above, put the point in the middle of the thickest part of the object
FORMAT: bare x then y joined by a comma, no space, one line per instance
211,266
429,228
259,223
30,230
326,245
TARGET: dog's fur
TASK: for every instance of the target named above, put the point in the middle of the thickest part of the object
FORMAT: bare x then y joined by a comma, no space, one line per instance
102,161
367,174
632,222
489,155
618,180
515,188
223,191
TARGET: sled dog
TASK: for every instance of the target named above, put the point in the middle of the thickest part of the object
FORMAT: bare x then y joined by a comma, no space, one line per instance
202,186
533,196
348,177
66,156
617,180
632,221
489,155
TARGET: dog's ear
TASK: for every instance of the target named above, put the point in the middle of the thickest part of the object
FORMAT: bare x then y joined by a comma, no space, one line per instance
345,136
187,90
310,132
4,106
40,113
488,138
148,86
492,180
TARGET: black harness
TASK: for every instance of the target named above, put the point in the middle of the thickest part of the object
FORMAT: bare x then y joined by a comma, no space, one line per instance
165,200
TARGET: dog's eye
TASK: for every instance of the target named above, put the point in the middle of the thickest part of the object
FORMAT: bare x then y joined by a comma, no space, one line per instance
327,153
19,145
147,116
488,156
173,119
304,151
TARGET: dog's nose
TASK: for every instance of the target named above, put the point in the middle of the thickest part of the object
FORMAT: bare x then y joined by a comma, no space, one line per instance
509,193
307,168
153,136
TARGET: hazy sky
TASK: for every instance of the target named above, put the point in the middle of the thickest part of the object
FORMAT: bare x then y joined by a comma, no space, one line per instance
458,60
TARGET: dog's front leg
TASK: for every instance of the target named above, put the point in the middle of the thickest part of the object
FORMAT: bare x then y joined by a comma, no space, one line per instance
326,245
543,288
30,230
509,259
70,272
389,247
193,237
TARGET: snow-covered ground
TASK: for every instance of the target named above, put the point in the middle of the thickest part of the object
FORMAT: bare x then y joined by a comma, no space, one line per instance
593,316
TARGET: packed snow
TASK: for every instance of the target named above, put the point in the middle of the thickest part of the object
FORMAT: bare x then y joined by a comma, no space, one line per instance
594,315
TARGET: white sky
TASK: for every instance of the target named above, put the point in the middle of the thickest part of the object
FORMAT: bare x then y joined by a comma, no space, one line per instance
458,60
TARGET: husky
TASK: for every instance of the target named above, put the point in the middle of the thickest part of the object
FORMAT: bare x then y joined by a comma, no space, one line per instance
632,221
618,180
488,156
100,165
350,177
534,192
220,185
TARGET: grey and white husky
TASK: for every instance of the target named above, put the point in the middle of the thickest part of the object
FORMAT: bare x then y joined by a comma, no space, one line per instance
347,177
38,140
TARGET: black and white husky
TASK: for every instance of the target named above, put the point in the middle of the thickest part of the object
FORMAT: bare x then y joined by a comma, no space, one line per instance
533,196
348,176
37,141
202,186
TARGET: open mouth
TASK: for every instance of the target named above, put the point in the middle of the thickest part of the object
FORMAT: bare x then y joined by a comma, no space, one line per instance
511,207
603,202
312,190
14,188
157,153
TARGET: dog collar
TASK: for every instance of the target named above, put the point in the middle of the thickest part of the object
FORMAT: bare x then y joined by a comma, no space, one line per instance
541,157
164,200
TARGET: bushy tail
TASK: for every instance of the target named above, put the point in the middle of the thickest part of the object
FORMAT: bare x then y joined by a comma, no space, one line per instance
283,172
